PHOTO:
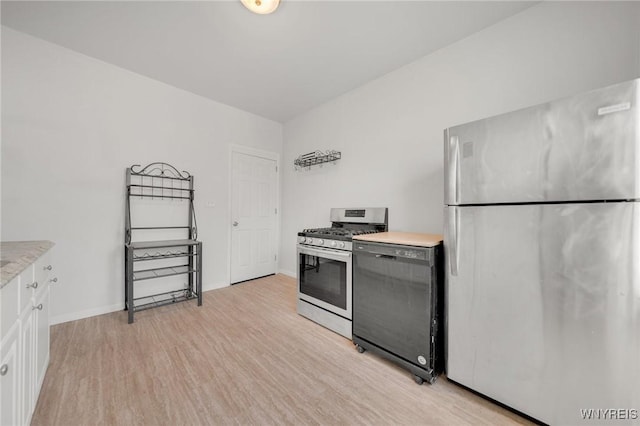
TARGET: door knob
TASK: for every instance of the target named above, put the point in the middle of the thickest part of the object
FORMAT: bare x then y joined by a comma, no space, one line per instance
4,369
235,223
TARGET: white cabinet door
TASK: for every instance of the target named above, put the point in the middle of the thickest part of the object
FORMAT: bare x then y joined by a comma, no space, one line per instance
10,378
27,340
41,339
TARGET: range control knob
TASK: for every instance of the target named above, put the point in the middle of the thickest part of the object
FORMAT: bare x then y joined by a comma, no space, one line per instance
341,244
333,244
309,241
320,242
301,239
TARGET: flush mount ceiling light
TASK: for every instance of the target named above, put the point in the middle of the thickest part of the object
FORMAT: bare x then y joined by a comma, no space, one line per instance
261,6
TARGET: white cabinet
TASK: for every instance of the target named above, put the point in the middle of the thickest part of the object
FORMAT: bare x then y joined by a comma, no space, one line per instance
27,331
25,341
10,377
41,347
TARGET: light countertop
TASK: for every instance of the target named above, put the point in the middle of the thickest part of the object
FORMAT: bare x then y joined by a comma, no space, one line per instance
404,238
16,256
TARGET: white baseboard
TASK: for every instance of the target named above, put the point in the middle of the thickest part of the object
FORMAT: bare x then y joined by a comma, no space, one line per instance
74,316
214,286
288,273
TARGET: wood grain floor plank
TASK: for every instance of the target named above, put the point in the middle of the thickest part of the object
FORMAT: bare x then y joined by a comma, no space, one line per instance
244,357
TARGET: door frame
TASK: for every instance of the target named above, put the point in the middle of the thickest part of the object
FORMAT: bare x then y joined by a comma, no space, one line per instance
256,152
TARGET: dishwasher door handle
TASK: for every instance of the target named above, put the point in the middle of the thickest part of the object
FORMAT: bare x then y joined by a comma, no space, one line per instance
385,256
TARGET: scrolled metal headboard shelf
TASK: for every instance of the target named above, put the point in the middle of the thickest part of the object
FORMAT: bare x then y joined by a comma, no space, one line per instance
152,181
161,181
160,175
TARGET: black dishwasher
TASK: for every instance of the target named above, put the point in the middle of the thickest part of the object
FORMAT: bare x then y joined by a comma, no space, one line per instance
398,304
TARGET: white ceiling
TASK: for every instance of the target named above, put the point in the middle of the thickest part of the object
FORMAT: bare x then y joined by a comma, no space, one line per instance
277,65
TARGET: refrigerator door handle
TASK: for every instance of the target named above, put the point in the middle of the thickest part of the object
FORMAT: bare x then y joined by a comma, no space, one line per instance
454,224
454,169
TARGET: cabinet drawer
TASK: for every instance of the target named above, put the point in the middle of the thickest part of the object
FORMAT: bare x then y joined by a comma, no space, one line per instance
25,287
9,305
43,270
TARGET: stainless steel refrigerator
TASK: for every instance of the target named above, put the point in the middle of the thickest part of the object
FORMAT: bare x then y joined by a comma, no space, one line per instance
542,254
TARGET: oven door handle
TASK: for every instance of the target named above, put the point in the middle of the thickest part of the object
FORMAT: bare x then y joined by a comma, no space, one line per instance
327,253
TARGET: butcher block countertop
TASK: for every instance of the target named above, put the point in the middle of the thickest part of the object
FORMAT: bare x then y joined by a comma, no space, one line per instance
404,238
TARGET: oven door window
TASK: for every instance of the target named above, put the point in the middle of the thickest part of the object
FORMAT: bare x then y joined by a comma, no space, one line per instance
324,279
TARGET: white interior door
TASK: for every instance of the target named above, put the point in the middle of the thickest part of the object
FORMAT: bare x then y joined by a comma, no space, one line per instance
253,216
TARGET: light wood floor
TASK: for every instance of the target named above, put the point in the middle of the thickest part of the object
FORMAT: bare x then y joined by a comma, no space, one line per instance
244,357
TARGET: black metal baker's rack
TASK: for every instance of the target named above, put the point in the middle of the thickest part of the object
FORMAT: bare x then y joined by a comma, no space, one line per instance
163,183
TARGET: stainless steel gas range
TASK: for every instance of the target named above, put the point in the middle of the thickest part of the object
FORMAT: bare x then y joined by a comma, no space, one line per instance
325,267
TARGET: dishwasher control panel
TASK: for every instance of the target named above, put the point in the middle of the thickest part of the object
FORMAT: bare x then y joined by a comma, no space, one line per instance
411,254
395,251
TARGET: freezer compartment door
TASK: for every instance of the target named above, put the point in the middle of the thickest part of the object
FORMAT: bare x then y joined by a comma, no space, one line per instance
543,307
576,149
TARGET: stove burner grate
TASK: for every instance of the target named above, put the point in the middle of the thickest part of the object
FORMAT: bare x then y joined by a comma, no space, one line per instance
339,232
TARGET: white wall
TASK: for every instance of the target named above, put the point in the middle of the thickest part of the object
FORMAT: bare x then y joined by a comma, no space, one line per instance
70,127
390,131
72,124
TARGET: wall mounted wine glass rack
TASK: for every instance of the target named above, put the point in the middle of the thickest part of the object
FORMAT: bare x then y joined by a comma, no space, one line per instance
170,257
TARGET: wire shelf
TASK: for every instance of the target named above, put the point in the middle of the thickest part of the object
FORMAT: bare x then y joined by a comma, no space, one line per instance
167,271
139,257
161,299
305,161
